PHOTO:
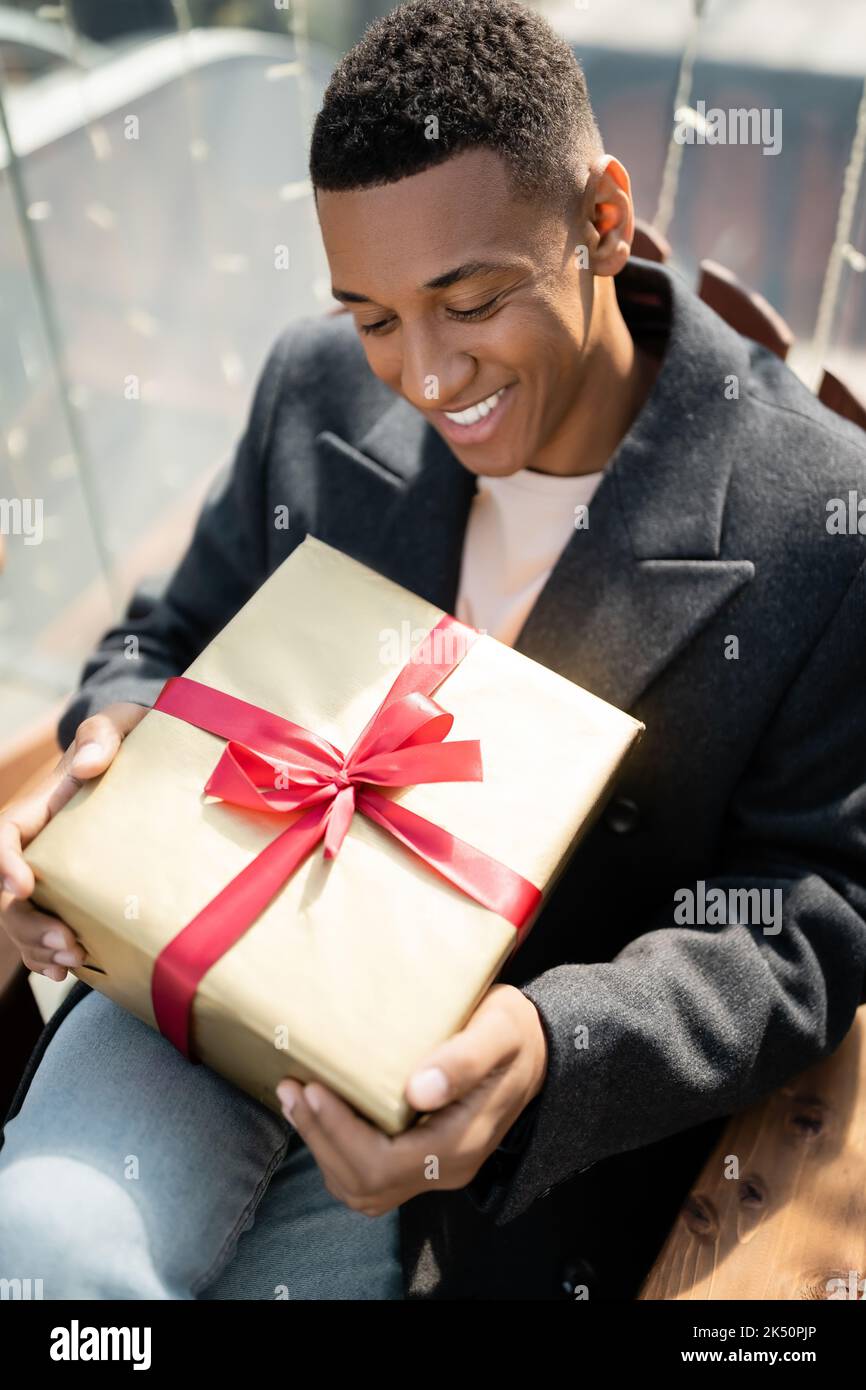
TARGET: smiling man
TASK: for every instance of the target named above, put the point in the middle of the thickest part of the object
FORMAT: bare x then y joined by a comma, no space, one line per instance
515,356
565,447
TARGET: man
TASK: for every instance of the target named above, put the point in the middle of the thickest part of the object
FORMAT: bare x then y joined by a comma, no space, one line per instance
569,450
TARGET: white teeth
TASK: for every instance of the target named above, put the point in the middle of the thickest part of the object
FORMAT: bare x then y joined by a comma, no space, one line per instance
474,413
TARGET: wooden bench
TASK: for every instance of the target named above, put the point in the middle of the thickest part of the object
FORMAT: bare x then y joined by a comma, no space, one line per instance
744,309
779,1210
648,243
836,395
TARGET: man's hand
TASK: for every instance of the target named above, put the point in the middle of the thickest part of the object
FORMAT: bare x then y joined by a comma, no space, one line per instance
46,944
475,1085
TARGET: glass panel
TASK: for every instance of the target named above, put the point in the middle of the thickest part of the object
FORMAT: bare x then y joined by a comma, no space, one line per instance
157,233
51,563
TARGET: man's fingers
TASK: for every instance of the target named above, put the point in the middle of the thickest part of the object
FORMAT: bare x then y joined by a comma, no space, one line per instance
350,1150
470,1089
371,1173
489,1042
17,877
44,942
458,1138
23,820
97,739
41,938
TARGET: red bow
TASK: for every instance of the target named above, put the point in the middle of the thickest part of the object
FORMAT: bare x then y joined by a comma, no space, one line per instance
271,764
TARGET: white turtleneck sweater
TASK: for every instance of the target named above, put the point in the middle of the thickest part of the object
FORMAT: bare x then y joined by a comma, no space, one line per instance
518,527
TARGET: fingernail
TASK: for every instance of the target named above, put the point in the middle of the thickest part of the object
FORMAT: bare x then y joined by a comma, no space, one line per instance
286,1098
10,887
66,958
89,755
54,939
429,1088
312,1099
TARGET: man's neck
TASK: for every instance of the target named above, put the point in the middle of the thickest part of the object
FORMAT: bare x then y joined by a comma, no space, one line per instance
617,379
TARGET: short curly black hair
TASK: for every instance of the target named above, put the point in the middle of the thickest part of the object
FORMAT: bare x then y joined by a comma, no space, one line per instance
436,77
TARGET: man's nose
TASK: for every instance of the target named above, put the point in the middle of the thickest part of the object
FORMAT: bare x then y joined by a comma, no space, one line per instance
431,372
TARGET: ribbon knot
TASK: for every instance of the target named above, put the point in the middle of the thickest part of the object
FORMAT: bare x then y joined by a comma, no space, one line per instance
403,744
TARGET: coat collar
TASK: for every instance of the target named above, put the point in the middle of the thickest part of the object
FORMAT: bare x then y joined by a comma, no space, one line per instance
628,593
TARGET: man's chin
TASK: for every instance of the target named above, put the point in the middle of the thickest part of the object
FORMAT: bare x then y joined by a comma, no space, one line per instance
492,468
488,463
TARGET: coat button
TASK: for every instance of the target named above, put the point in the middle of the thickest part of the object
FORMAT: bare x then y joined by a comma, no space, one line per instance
622,816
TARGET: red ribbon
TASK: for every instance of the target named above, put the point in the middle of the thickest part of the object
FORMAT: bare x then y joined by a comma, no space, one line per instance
402,744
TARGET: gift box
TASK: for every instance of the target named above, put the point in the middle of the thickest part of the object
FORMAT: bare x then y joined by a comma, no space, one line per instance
316,851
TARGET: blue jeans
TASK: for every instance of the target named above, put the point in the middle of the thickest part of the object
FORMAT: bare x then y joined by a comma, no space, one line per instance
130,1174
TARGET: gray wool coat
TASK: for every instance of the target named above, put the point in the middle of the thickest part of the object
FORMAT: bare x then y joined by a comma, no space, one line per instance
707,597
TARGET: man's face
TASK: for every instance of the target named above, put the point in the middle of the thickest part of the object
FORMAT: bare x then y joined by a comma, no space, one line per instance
463,293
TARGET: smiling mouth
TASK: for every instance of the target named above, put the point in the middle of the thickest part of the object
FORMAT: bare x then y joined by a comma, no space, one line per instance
474,413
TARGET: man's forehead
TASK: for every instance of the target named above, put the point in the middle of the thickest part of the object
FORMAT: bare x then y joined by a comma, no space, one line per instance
458,175
426,233
468,196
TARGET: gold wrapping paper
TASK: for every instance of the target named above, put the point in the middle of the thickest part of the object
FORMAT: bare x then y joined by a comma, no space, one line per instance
361,965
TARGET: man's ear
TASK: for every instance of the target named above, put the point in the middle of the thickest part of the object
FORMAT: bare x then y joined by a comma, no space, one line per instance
610,212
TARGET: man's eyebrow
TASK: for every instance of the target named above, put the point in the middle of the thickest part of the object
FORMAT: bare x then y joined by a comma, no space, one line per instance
439,282
349,297
465,272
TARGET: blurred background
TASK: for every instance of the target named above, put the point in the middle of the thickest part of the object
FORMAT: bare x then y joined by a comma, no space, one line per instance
157,232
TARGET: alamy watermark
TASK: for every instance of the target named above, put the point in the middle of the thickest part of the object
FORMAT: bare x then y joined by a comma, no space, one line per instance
720,907
739,125
77,1343
22,516
23,1289
854,1288
846,516
404,645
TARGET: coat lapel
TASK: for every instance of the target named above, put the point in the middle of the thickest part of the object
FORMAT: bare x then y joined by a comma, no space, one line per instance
628,594
411,524
611,621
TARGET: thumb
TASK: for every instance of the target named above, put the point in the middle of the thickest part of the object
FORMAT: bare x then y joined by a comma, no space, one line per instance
96,742
98,738
457,1066
93,753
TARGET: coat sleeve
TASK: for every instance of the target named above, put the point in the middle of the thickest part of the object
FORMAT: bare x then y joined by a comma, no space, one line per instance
689,1023
223,565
